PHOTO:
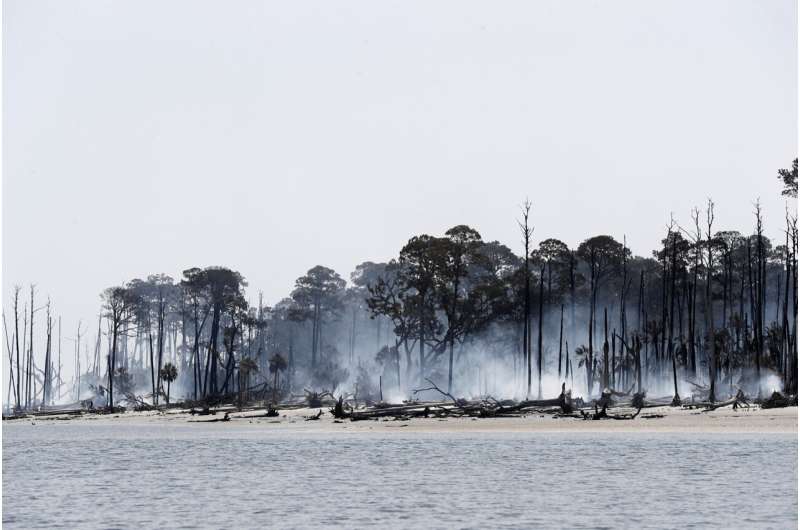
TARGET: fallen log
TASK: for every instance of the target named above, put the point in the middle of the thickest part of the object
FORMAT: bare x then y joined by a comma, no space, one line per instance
604,415
226,418
739,400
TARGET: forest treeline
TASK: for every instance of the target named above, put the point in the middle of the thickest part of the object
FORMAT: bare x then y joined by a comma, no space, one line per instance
715,308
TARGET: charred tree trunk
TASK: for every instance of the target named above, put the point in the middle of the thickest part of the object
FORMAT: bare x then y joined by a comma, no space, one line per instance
16,336
560,340
605,349
712,362
541,325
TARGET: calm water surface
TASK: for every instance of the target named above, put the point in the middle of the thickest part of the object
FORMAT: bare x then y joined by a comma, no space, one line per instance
221,476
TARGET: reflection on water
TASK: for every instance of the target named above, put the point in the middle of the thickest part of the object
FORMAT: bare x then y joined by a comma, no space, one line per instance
224,476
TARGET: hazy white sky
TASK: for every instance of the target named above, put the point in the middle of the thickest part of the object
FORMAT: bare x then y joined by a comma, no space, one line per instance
151,136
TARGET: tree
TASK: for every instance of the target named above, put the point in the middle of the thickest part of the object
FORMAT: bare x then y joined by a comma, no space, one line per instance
527,233
247,366
390,296
318,295
603,255
709,304
277,364
789,180
164,295
457,253
284,319
195,295
222,290
16,337
118,303
154,299
365,275
168,373
554,257
551,254
418,261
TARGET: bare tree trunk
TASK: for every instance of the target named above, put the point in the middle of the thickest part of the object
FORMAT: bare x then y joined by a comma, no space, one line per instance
709,312
638,360
560,340
527,232
11,382
112,361
46,394
605,348
676,399
31,396
16,335
160,323
758,323
623,316
25,392
541,325
589,359
152,364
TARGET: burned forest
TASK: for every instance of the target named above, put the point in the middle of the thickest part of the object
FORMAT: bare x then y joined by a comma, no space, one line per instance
710,317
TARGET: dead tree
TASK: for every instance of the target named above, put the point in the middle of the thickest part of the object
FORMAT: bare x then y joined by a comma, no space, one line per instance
11,383
47,384
709,305
605,348
560,340
527,233
16,336
541,325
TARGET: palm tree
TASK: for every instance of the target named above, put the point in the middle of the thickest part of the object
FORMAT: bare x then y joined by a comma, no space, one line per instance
276,364
168,373
246,367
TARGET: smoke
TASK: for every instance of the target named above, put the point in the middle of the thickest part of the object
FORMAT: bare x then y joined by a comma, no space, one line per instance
772,382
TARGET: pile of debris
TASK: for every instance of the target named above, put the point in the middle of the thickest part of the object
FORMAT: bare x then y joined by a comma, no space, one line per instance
563,406
778,400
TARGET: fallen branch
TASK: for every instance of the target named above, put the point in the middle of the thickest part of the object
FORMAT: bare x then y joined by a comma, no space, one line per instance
457,402
316,417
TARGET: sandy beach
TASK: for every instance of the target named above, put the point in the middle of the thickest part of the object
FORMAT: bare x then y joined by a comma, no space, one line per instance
651,420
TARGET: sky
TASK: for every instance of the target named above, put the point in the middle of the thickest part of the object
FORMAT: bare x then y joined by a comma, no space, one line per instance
144,136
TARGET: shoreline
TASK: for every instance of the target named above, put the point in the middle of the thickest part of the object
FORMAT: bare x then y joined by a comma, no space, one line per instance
663,419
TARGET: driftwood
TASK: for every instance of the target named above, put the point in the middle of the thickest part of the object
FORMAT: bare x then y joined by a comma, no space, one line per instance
739,400
604,415
226,418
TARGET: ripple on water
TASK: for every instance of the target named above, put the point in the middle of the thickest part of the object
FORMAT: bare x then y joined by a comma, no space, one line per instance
105,476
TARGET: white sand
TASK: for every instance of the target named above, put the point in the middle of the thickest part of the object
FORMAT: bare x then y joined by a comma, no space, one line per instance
723,420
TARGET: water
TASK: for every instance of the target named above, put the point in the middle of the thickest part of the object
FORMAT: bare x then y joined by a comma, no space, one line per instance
61,475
